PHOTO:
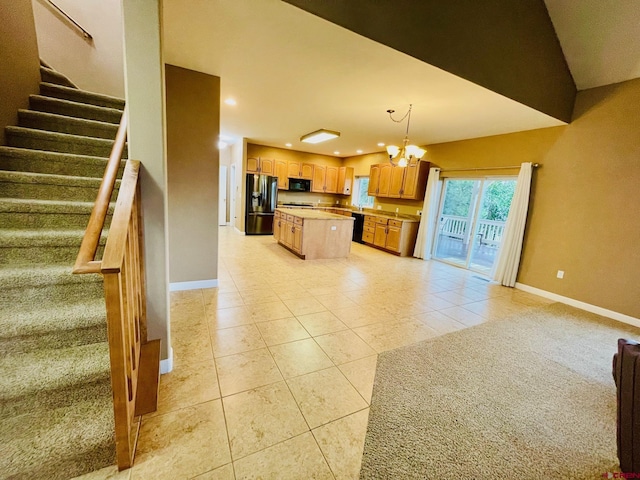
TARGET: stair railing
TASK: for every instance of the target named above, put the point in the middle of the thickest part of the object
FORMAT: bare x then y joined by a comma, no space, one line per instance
122,268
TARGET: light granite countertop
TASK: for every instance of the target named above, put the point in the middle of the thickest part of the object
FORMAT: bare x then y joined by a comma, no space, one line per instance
308,213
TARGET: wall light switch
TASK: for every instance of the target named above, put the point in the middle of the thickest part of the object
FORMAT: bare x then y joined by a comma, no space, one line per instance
379,207
333,227
560,274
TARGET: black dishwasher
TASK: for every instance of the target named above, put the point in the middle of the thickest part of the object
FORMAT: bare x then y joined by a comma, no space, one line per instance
358,226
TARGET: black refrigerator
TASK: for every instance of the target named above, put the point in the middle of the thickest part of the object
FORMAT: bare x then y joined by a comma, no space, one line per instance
261,201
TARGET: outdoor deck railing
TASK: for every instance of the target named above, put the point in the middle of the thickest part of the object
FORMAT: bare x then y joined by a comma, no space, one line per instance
489,231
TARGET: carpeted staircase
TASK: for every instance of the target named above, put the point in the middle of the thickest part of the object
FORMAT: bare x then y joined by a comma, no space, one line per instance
56,416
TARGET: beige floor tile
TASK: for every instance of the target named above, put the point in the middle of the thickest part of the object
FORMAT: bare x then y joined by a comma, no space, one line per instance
226,300
358,316
236,340
282,331
191,344
344,346
434,302
361,374
298,358
296,459
305,305
228,317
245,371
222,473
258,295
335,300
182,444
263,312
382,336
455,297
463,316
262,417
321,323
324,396
342,443
439,322
187,385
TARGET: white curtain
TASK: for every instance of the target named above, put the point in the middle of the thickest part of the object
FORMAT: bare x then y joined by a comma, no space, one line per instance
429,214
506,266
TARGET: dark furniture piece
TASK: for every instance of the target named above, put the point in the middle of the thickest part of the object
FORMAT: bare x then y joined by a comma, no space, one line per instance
626,373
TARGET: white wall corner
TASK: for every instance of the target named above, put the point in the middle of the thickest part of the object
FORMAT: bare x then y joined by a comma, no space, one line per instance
167,365
179,286
621,317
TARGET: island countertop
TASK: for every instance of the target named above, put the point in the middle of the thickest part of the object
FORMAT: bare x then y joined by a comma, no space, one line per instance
307,213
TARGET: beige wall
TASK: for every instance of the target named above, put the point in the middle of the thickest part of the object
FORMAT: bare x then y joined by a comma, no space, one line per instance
145,104
193,128
584,210
20,71
95,65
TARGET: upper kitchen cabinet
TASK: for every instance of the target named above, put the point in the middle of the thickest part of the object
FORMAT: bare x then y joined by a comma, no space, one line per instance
263,166
325,179
282,173
389,181
345,180
300,170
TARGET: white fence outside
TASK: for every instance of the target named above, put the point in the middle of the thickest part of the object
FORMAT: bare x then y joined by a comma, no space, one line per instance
489,231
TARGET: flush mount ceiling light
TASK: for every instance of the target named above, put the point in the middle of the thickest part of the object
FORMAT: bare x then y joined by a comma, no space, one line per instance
407,152
318,136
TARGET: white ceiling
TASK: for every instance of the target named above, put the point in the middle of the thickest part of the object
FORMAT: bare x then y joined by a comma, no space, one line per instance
292,73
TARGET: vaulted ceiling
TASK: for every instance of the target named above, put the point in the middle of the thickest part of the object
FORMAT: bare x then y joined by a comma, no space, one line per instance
292,72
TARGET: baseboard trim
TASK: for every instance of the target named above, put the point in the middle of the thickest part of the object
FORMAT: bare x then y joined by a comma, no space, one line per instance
167,365
621,317
179,286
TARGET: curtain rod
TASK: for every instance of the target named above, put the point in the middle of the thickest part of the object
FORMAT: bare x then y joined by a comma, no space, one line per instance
534,165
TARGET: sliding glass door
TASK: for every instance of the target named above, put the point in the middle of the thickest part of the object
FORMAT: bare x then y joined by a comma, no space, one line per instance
471,220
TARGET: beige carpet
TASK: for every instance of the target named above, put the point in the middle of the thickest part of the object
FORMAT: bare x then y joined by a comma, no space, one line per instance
526,397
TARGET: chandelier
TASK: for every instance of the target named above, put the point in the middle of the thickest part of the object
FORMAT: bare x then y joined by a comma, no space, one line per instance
407,152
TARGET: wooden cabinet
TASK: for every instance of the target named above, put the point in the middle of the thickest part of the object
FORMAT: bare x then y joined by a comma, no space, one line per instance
281,168
325,179
300,170
264,166
397,236
345,180
410,182
276,225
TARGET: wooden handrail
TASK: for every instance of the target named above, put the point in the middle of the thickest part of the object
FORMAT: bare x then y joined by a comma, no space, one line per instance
85,34
85,261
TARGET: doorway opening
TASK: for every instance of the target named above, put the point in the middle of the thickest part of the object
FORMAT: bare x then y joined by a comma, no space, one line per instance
471,220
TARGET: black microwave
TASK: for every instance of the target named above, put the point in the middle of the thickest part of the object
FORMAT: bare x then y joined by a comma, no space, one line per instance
299,185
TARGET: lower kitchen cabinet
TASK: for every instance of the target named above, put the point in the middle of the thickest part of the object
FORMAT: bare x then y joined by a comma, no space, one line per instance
397,236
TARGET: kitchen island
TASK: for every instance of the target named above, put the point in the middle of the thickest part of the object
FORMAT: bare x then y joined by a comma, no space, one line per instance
313,234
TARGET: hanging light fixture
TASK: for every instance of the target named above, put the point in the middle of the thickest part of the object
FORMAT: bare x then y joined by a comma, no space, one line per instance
407,152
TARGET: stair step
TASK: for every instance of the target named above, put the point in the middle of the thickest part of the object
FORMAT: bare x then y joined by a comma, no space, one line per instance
25,185
60,443
59,326
50,374
41,247
49,75
39,161
80,96
20,137
74,109
52,285
46,214
63,124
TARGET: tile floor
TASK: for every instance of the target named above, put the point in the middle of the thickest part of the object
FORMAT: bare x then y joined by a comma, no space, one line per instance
273,370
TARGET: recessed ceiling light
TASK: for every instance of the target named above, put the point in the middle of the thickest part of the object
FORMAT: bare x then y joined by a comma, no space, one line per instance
287,145
358,151
381,144
336,153
318,136
231,101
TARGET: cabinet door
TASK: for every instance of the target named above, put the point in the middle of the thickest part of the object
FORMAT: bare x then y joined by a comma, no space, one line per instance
296,244
282,236
380,237
281,173
374,180
319,175
331,180
276,227
289,234
415,180
395,184
393,238
253,165
306,171
293,170
385,180
267,166
345,180
367,237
